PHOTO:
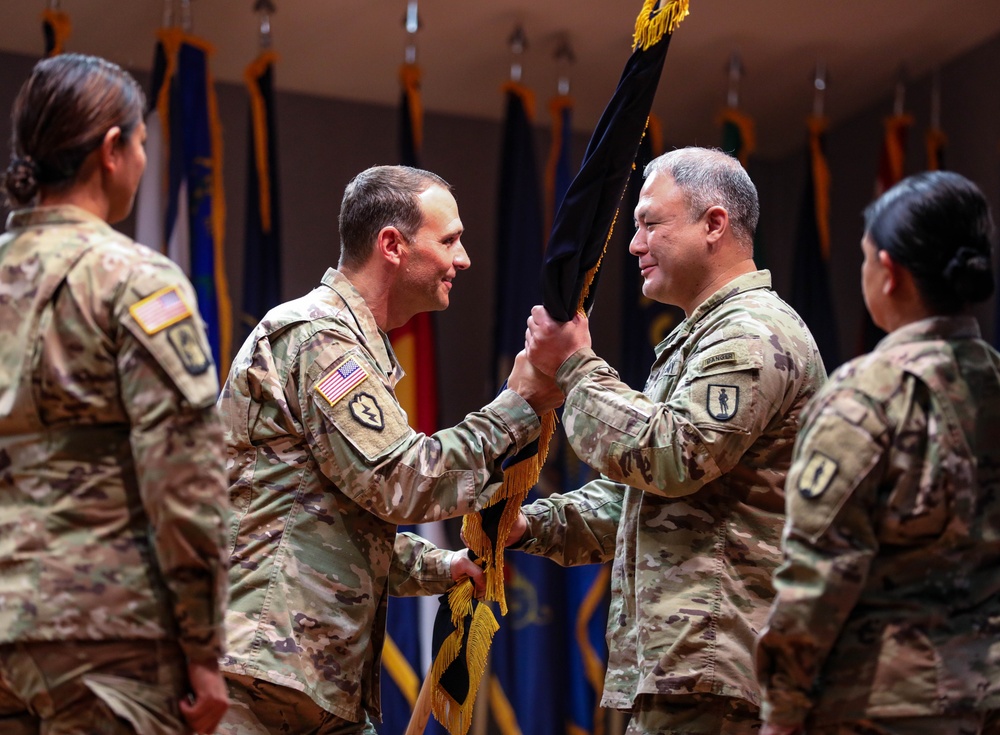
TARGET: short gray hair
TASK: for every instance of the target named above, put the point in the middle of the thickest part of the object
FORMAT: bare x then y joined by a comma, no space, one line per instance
710,177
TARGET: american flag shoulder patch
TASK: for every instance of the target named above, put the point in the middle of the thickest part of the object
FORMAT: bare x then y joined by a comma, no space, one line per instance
335,384
159,310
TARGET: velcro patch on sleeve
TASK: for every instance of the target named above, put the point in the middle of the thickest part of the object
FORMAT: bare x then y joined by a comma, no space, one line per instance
360,408
338,382
160,310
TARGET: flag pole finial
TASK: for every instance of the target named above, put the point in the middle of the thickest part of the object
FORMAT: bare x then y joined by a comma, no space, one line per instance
819,82
517,42
565,58
412,23
265,9
736,70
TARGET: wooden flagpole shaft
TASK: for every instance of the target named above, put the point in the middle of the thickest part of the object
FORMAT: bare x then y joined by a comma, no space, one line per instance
422,709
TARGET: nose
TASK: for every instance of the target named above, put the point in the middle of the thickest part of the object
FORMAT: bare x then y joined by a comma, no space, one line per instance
638,244
462,260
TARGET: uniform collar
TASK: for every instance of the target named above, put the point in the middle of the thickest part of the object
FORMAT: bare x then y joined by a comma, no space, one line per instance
374,339
62,214
932,328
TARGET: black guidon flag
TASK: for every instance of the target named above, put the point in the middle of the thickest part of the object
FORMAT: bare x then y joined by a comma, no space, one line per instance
581,229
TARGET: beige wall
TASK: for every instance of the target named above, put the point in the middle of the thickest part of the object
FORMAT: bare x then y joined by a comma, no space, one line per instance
324,142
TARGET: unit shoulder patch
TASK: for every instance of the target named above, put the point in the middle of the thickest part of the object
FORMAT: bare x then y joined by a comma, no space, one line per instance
722,401
817,475
365,410
184,339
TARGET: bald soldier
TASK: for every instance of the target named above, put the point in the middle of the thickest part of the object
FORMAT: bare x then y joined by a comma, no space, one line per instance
323,466
690,502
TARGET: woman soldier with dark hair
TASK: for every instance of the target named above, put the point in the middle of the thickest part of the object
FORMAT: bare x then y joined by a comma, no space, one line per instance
887,613
112,472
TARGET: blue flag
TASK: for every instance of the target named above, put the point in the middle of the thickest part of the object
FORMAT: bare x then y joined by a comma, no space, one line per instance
187,218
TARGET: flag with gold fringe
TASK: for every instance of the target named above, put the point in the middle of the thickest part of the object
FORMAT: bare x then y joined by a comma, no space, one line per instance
811,293
581,230
182,197
891,169
56,29
262,232
523,698
405,644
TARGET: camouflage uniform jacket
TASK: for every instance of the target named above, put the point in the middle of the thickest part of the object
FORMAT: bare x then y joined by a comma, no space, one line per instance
112,471
322,467
694,468
888,601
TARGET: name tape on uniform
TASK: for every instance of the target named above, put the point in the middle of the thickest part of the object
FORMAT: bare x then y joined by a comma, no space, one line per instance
159,310
341,379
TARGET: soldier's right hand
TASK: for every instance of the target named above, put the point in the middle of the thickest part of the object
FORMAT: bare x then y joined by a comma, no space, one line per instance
210,697
538,389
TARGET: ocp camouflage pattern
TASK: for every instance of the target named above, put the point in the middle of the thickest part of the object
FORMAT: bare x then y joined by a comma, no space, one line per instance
322,467
112,485
694,468
889,596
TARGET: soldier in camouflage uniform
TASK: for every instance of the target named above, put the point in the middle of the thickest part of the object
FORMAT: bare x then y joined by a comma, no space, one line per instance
689,505
112,475
323,465
887,614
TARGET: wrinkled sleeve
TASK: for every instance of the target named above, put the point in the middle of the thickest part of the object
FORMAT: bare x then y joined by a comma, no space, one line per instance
723,403
829,543
361,439
576,528
418,567
168,387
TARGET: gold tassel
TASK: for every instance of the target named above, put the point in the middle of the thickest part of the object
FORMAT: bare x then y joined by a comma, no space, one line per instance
653,24
455,716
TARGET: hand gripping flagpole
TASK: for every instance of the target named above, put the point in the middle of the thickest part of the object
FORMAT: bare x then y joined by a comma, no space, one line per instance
581,230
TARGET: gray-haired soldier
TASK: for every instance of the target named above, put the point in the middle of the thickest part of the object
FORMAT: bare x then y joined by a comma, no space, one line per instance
690,505
323,465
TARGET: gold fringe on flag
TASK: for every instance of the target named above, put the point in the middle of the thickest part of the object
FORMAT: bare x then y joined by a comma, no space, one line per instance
821,182
654,23
457,716
59,23
518,480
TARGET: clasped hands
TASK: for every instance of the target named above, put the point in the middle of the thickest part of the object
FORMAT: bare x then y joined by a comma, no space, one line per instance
547,345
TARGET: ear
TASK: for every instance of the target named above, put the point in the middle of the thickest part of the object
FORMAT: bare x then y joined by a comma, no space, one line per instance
110,148
891,271
391,245
717,223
